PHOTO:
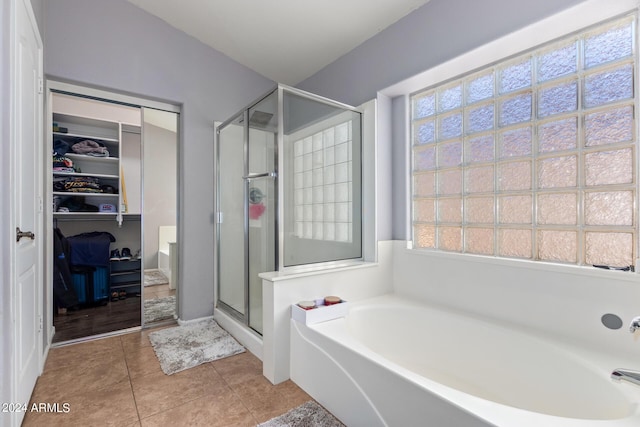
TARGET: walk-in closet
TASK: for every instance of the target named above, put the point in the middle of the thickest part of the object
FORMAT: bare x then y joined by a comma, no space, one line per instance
112,228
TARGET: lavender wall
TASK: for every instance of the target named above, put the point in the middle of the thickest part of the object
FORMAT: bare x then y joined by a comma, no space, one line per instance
431,35
117,46
38,12
438,31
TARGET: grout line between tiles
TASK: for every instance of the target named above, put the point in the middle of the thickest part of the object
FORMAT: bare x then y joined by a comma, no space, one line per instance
232,389
133,394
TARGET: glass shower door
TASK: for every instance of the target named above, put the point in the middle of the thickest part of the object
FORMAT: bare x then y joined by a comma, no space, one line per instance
247,206
261,201
231,224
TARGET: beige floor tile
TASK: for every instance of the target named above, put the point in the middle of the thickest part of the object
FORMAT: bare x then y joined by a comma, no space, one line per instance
135,340
267,415
238,368
139,339
261,398
292,394
89,374
155,393
109,406
212,410
70,355
142,361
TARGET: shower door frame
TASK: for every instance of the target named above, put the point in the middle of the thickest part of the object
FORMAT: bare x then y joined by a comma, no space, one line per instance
278,191
246,317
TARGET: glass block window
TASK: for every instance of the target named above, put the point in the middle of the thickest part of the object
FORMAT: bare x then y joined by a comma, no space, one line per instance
534,157
323,175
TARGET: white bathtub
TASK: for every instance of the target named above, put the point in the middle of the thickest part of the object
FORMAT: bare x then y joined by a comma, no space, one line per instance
393,362
168,253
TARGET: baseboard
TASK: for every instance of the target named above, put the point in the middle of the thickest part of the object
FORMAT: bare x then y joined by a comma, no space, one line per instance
192,321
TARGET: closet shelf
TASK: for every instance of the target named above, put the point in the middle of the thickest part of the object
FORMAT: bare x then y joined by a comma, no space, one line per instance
93,175
84,216
70,193
124,273
93,215
83,136
131,216
125,284
85,158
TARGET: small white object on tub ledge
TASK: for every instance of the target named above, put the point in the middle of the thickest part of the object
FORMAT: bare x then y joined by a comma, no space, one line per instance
321,313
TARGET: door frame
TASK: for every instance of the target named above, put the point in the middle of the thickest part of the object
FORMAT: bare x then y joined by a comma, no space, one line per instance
78,89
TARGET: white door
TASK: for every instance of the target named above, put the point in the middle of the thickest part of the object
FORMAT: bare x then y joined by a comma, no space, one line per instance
25,159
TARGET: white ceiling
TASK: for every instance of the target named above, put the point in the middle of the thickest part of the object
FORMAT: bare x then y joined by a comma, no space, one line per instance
284,40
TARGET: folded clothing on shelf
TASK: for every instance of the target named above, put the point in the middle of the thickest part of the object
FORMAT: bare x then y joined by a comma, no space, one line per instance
77,184
90,148
75,204
62,163
61,147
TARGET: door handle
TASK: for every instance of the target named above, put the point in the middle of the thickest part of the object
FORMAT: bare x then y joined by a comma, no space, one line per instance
260,175
20,234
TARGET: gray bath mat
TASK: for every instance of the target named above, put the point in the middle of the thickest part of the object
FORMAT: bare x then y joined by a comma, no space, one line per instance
308,414
157,309
155,277
184,347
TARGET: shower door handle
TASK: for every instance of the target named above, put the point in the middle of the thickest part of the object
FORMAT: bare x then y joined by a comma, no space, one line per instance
260,175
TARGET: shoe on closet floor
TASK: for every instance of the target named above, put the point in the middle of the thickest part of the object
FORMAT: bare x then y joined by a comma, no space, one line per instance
115,255
126,254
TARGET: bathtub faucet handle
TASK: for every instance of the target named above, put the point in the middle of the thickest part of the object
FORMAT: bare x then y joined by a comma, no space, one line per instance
635,324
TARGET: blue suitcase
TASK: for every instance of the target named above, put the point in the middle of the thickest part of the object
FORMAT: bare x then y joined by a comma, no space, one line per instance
91,284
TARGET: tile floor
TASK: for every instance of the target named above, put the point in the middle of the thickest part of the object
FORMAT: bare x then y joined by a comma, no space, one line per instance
117,381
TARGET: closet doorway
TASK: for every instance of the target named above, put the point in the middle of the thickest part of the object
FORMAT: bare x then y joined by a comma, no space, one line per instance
113,227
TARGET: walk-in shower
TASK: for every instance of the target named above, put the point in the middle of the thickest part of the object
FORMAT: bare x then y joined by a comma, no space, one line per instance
288,193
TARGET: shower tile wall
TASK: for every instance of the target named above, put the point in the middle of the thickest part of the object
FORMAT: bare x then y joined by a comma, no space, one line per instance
323,182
